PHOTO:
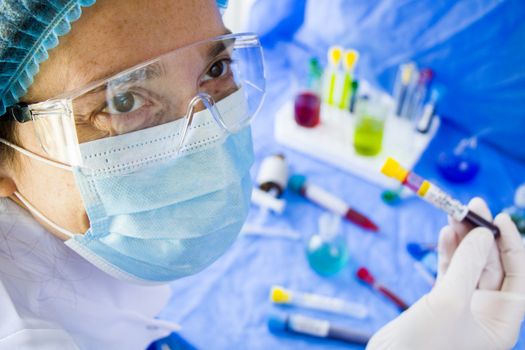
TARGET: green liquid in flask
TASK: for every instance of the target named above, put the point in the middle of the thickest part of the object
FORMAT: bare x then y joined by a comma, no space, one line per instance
368,135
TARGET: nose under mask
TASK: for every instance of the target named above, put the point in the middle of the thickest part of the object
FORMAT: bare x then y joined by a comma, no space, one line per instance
165,216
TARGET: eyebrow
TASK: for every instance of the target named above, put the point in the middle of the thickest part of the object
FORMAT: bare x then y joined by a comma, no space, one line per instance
155,69
150,71
220,46
141,74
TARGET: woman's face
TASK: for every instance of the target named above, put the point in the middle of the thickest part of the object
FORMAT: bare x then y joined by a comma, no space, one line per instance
110,36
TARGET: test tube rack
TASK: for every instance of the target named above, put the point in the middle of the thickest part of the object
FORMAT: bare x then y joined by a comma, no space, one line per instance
332,141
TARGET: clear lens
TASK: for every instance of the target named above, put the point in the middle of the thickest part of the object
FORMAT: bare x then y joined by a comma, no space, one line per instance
166,91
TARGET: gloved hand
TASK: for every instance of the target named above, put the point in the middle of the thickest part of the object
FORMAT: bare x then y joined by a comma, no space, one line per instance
470,307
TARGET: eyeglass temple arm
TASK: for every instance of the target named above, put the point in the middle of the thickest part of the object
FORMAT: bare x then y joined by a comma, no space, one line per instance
19,112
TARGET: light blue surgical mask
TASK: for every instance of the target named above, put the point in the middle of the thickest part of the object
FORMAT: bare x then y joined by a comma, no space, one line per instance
162,217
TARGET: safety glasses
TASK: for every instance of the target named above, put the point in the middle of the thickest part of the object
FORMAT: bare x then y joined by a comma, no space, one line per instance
222,77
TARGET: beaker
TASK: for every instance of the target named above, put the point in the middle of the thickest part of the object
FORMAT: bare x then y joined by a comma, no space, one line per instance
307,109
369,125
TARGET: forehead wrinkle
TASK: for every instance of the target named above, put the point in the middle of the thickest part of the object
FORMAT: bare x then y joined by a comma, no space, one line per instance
126,35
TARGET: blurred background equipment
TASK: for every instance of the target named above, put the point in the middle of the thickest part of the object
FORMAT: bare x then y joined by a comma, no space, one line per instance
438,85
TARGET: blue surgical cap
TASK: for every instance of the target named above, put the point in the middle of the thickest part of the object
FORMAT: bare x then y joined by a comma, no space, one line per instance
222,4
28,29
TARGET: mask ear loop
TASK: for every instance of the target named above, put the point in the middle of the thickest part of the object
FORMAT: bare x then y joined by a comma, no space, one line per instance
21,198
37,157
41,216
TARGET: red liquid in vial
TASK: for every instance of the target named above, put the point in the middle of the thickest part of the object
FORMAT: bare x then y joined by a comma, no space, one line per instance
307,108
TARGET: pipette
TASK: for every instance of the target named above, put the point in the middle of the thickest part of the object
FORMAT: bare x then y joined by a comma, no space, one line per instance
435,195
300,324
281,295
298,184
364,275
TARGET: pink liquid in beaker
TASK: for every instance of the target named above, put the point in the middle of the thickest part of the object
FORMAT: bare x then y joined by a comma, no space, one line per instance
307,109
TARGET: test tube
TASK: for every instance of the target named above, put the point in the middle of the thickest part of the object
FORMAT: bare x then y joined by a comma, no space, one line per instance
281,295
364,275
405,77
300,324
299,184
333,74
435,196
429,110
419,94
350,59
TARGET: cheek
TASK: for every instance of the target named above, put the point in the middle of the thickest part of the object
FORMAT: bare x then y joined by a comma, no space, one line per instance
50,190
54,193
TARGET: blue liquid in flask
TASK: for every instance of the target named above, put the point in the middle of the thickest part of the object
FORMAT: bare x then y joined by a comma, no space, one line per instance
327,252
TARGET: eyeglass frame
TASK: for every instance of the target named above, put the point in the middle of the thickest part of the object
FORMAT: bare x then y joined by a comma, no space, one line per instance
22,112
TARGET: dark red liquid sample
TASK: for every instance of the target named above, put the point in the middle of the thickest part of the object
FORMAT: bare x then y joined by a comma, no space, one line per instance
394,298
361,220
364,275
307,109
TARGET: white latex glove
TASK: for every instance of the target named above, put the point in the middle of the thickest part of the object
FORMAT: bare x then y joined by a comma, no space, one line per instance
470,307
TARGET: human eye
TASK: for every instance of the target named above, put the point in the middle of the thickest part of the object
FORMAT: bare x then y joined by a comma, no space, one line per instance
128,110
218,69
124,102
119,111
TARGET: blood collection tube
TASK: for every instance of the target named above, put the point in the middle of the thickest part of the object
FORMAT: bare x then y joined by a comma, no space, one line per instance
364,275
298,184
296,323
435,196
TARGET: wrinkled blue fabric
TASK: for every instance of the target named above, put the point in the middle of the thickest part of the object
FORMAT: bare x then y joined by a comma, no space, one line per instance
232,295
475,47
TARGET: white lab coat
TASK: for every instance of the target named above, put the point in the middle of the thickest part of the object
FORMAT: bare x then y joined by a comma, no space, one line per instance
51,298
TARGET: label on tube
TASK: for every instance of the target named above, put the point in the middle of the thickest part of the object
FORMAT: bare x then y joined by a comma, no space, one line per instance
331,304
439,198
307,325
325,199
273,169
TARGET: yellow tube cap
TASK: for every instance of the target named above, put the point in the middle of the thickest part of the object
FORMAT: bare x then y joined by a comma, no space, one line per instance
393,169
280,295
406,72
350,59
335,54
